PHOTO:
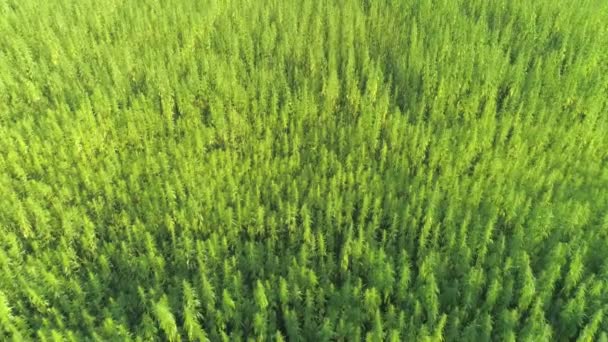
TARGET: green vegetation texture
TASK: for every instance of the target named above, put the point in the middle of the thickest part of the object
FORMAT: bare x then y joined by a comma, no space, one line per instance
311,170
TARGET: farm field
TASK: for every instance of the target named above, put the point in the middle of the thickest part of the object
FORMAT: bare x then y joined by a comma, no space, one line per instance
265,170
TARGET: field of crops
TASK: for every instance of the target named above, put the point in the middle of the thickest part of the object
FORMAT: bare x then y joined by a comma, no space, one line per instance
271,170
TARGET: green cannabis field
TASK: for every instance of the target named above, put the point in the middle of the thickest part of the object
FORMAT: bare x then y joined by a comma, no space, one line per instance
275,170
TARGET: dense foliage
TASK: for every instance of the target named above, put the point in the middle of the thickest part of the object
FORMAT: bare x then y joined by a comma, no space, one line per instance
303,170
